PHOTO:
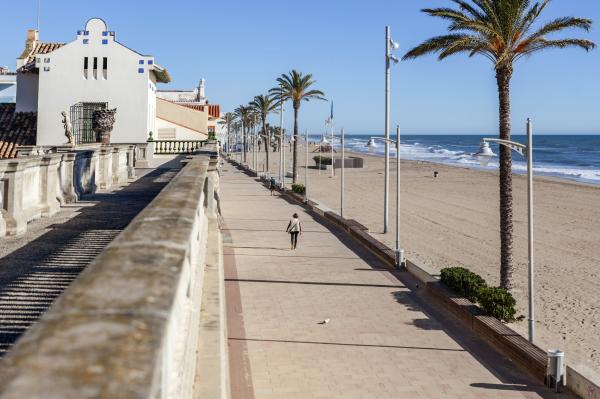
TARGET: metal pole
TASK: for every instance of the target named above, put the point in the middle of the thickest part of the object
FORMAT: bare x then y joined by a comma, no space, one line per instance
342,176
530,226
399,251
332,167
306,166
387,130
281,141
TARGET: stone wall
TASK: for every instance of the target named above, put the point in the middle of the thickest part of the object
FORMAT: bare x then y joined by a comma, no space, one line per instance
40,180
134,324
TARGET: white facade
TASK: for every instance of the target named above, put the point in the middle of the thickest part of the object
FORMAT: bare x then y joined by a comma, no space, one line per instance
196,96
94,68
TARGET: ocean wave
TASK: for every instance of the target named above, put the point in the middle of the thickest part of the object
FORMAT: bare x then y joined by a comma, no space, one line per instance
464,157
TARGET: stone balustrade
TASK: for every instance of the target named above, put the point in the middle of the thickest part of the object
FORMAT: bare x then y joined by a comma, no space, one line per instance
40,180
146,318
177,146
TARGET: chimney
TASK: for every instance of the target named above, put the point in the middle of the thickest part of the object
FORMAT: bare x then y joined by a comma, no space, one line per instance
30,43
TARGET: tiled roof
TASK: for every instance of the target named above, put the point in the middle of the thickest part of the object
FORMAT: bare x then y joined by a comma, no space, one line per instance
41,48
16,128
214,110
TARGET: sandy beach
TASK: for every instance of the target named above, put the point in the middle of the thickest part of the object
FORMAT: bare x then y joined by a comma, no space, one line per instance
453,220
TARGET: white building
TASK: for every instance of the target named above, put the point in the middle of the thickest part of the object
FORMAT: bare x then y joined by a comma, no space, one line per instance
196,96
92,72
8,82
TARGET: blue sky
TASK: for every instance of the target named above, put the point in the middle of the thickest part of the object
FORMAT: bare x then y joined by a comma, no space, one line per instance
240,47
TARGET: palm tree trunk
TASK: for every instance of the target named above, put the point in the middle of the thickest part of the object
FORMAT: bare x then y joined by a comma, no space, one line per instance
267,139
295,155
244,140
503,77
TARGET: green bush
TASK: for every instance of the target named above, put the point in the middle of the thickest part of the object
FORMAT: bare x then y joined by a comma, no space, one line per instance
324,160
298,188
498,302
494,301
463,281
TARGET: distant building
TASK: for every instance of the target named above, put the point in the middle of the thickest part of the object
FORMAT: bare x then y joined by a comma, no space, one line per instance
92,72
8,82
186,114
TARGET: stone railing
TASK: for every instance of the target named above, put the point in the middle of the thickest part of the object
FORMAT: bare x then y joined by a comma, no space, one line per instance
177,146
40,180
146,318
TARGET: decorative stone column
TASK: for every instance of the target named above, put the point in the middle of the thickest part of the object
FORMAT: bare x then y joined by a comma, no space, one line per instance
131,161
11,192
67,193
49,165
104,171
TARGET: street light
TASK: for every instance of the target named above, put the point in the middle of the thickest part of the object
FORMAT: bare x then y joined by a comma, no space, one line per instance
484,155
372,147
306,166
390,46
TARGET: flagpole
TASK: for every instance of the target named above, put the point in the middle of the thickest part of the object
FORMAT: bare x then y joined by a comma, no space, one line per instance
331,124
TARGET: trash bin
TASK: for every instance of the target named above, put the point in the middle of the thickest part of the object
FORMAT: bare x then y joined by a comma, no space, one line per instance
554,369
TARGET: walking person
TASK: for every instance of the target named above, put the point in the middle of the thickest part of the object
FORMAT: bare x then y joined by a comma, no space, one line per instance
272,185
294,228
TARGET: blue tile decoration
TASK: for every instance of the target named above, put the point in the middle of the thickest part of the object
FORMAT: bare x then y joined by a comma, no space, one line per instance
86,41
86,33
141,62
150,62
104,41
79,32
140,70
105,33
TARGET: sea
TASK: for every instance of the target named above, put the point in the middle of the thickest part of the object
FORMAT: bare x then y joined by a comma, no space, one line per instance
573,157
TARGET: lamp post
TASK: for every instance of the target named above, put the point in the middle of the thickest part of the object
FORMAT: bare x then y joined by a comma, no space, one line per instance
390,45
281,141
484,155
372,146
342,174
306,166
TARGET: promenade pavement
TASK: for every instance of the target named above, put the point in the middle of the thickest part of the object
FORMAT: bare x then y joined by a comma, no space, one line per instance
382,340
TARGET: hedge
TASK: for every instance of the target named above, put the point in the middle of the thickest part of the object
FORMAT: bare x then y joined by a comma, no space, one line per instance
463,281
324,160
298,188
494,301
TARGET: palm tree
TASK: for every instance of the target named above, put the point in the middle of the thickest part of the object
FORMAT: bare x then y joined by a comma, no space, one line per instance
242,113
226,120
503,31
296,87
264,105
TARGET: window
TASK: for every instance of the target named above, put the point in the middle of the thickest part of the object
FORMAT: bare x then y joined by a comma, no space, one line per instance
46,60
95,68
85,67
104,41
105,68
46,69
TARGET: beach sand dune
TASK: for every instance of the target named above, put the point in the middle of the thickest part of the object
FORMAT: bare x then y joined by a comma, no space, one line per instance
453,220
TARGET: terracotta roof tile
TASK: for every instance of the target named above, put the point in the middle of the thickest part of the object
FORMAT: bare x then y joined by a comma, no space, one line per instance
214,110
16,128
42,48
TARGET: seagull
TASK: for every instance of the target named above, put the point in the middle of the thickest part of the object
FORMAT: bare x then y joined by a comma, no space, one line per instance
326,321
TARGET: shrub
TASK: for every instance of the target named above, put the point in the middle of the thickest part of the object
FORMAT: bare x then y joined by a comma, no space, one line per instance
298,188
498,302
494,301
463,281
324,160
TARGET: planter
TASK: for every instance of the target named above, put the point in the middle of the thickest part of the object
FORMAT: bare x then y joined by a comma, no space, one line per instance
102,123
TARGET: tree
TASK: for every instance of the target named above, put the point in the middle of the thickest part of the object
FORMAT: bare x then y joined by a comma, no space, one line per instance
226,120
296,87
503,31
264,105
242,113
